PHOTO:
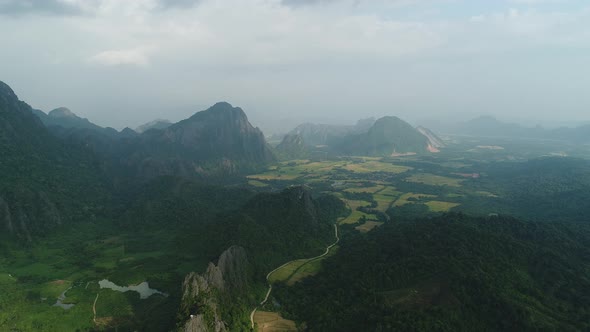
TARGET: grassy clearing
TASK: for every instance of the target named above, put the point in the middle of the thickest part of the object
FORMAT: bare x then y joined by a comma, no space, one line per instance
257,183
439,206
434,180
274,175
486,194
354,217
353,204
310,268
390,191
266,321
407,198
286,271
368,226
383,202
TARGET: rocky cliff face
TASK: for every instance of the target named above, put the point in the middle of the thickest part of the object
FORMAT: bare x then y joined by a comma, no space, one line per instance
434,142
222,131
203,293
219,141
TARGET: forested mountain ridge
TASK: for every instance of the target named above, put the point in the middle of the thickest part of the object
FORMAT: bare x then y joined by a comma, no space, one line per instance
212,143
44,182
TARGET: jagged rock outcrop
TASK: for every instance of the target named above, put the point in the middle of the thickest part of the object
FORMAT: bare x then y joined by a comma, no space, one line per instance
203,293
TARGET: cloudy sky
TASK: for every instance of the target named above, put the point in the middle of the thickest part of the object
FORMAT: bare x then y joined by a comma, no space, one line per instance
122,63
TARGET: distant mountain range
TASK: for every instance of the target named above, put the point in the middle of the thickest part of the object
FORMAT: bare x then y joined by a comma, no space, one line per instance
219,140
487,126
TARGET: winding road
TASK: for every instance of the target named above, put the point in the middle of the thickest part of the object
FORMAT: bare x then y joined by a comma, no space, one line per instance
308,260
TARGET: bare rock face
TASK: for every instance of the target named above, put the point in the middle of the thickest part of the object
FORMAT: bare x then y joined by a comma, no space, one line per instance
233,265
201,292
434,141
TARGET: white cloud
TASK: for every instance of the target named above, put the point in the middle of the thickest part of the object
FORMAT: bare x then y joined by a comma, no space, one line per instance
121,57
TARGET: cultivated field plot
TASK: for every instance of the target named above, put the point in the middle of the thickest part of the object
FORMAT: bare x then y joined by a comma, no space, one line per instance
310,268
434,180
411,198
266,321
323,170
370,190
355,216
439,206
375,166
368,226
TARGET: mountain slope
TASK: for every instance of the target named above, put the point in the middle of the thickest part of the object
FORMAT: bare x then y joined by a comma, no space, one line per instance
388,136
219,140
292,147
434,142
66,120
45,183
322,134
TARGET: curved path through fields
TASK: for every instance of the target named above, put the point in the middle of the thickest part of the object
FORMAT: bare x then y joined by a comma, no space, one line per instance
308,260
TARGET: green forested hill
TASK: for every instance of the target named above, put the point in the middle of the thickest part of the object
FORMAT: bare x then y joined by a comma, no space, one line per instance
43,182
452,273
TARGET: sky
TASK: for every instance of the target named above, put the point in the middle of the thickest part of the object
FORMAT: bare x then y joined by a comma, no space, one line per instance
123,63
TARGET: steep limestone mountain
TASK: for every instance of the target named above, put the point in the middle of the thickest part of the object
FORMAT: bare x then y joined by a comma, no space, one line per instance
156,124
434,142
222,131
388,136
44,183
213,143
206,297
217,141
292,147
322,134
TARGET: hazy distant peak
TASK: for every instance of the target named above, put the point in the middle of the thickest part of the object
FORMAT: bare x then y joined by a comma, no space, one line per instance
128,132
6,91
155,124
62,112
221,110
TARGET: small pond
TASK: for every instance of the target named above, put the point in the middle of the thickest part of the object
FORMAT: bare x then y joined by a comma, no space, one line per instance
143,288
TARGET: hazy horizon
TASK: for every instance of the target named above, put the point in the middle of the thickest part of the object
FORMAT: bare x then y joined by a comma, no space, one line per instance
286,62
